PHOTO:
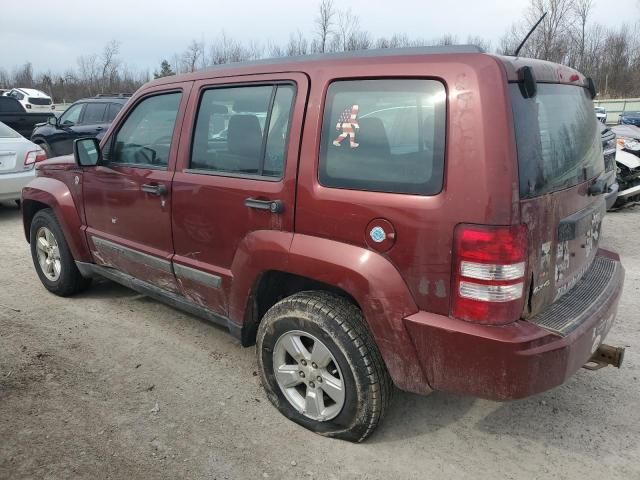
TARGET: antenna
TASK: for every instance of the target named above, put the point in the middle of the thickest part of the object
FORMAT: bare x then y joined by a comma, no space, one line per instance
529,34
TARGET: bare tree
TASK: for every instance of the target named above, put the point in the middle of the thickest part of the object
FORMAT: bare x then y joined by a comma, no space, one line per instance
4,78
446,39
348,26
582,10
324,24
359,40
226,49
192,57
483,43
110,63
298,45
23,76
274,50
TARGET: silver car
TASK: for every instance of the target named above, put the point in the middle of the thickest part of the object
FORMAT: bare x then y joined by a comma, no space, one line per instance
18,157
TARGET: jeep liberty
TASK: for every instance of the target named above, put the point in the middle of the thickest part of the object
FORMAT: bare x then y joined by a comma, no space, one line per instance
420,218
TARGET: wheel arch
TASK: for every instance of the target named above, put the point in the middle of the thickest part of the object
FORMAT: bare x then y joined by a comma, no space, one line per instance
270,265
45,192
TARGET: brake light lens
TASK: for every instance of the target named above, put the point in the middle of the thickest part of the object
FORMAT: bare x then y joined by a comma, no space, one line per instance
33,157
489,273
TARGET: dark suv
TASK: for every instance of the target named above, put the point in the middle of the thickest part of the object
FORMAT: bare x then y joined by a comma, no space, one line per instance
424,218
89,117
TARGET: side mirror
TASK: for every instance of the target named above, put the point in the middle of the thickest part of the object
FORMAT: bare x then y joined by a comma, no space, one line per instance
87,152
53,121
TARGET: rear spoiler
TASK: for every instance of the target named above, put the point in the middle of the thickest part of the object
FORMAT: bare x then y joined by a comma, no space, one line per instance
529,85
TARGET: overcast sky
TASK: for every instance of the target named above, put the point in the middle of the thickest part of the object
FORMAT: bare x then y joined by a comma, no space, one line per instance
52,35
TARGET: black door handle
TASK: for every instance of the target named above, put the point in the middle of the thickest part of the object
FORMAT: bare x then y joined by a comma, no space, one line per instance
155,189
274,206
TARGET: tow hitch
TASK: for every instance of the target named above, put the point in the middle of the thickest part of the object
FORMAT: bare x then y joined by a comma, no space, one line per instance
605,355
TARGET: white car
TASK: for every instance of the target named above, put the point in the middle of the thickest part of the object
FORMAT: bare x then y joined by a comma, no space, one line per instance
31,99
18,157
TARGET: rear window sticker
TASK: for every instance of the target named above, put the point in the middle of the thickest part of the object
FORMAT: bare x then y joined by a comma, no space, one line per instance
348,124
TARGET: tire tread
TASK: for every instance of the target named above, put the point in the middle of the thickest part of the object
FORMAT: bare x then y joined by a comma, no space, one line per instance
348,317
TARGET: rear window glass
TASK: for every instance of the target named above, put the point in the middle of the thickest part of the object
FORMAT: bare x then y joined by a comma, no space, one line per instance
384,136
39,101
93,113
558,138
6,132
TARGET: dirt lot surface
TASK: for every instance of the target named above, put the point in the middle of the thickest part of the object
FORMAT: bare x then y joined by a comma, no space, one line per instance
111,384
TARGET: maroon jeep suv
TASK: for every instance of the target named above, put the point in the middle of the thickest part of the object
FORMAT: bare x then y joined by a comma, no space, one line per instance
420,218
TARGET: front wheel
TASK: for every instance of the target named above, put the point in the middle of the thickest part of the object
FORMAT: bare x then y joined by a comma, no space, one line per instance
47,149
320,366
52,258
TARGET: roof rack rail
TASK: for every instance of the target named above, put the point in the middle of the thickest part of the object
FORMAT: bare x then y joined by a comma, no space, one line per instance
374,52
111,95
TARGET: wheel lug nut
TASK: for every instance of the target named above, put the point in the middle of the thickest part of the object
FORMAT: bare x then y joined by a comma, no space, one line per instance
304,363
301,374
312,385
319,379
314,365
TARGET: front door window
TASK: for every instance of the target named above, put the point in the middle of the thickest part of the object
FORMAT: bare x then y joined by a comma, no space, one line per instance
145,137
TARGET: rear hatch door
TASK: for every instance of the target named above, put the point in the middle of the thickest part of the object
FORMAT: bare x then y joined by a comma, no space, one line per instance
559,158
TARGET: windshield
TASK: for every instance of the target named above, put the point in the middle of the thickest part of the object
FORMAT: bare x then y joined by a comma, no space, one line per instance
557,137
6,132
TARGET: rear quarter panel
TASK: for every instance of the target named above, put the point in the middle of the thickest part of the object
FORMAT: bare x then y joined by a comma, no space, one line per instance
480,182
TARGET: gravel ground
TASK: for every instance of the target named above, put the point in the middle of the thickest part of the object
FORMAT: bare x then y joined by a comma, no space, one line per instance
111,384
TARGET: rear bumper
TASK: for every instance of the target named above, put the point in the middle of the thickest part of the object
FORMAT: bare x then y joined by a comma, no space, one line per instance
11,184
611,196
516,360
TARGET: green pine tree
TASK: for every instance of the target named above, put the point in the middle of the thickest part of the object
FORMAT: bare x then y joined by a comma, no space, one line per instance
165,70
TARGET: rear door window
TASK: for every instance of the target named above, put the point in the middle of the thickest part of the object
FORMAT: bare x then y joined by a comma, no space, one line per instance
384,135
112,111
93,113
242,130
558,138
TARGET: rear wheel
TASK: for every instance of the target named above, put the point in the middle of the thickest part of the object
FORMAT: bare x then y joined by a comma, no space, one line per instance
320,365
52,258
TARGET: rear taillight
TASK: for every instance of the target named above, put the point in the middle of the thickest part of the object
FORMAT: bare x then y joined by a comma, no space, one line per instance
489,273
34,157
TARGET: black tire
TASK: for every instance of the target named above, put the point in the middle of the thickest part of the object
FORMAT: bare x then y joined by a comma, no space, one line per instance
47,149
338,324
70,280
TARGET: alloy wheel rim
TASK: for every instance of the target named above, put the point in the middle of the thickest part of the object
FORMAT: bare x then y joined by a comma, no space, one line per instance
48,253
308,375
